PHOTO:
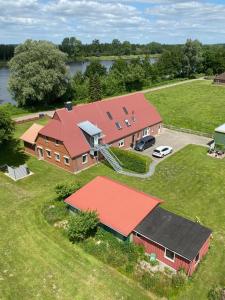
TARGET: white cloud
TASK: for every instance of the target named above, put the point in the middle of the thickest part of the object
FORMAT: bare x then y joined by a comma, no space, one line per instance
135,20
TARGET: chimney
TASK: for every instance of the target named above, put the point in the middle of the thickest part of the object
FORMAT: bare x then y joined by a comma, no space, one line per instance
69,105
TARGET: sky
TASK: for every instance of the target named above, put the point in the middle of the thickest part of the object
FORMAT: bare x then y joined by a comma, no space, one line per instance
140,21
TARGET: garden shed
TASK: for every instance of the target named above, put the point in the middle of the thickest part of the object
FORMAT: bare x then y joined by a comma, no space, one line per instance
219,137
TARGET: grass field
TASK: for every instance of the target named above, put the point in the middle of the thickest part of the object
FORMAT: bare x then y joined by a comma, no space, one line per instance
198,105
36,261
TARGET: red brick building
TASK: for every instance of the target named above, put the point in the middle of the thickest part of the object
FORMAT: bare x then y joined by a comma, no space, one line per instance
71,138
136,216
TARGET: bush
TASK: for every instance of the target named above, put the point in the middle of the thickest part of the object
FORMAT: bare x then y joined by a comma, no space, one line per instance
54,212
132,161
82,225
179,279
64,190
216,293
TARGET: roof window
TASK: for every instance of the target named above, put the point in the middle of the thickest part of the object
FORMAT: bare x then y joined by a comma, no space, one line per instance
109,115
125,110
118,126
127,123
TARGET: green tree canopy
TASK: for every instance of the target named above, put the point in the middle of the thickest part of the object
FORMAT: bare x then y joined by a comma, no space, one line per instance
7,126
95,88
71,46
192,57
82,225
38,73
95,67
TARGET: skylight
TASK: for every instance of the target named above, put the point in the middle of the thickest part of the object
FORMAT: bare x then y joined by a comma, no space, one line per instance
125,110
109,115
118,126
127,123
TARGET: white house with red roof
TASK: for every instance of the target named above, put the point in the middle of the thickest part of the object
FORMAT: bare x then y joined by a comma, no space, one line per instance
78,136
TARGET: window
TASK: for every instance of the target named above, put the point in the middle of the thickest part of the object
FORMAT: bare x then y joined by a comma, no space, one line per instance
197,259
109,115
133,118
57,156
46,139
84,159
118,126
121,143
170,255
127,123
56,142
66,160
145,132
48,153
125,110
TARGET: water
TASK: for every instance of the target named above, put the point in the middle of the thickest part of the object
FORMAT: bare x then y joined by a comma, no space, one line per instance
74,68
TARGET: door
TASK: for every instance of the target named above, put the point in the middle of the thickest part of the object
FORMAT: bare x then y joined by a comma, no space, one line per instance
132,142
40,153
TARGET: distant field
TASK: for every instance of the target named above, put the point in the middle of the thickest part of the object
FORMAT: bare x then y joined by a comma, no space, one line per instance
199,105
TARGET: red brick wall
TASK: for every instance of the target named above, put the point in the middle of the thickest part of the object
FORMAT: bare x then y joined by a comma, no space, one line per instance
29,148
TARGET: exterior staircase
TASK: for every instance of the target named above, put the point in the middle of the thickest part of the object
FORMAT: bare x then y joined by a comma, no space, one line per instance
110,157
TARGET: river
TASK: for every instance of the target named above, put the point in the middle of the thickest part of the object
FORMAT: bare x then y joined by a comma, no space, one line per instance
74,68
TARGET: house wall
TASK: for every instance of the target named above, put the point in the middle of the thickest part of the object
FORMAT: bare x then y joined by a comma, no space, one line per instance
29,148
179,262
76,164
219,138
219,81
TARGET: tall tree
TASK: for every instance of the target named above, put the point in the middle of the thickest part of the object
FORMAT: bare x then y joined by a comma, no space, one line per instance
95,67
192,57
71,46
95,88
38,73
7,126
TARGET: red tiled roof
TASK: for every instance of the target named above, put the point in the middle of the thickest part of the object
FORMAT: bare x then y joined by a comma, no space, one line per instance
119,207
220,76
64,124
31,133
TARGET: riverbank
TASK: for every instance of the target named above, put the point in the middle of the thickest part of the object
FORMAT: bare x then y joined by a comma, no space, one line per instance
114,57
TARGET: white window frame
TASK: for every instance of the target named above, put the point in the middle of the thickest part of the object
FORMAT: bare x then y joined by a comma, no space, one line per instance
172,260
147,132
66,157
127,122
48,150
84,162
57,142
121,143
56,153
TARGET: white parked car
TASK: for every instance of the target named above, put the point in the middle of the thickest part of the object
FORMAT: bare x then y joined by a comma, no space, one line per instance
162,151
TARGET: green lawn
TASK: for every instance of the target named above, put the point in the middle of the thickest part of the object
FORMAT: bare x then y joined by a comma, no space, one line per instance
198,105
38,261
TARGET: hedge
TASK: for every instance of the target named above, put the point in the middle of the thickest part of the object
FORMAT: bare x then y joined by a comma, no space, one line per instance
132,161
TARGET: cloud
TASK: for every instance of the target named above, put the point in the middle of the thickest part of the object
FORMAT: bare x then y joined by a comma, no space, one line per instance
169,21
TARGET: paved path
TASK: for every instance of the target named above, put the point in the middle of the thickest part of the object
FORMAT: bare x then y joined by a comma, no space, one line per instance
51,112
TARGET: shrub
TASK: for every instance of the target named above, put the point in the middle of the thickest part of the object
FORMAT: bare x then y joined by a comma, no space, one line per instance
64,190
54,212
132,161
82,225
179,279
216,293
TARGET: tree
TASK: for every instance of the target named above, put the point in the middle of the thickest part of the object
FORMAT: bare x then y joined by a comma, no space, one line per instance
71,46
192,57
95,67
82,225
95,88
38,73
64,190
7,126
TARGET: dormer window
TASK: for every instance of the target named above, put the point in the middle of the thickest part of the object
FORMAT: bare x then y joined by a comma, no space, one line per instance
127,123
118,126
109,115
125,110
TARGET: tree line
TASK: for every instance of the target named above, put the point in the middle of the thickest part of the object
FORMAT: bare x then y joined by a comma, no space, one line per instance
39,74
